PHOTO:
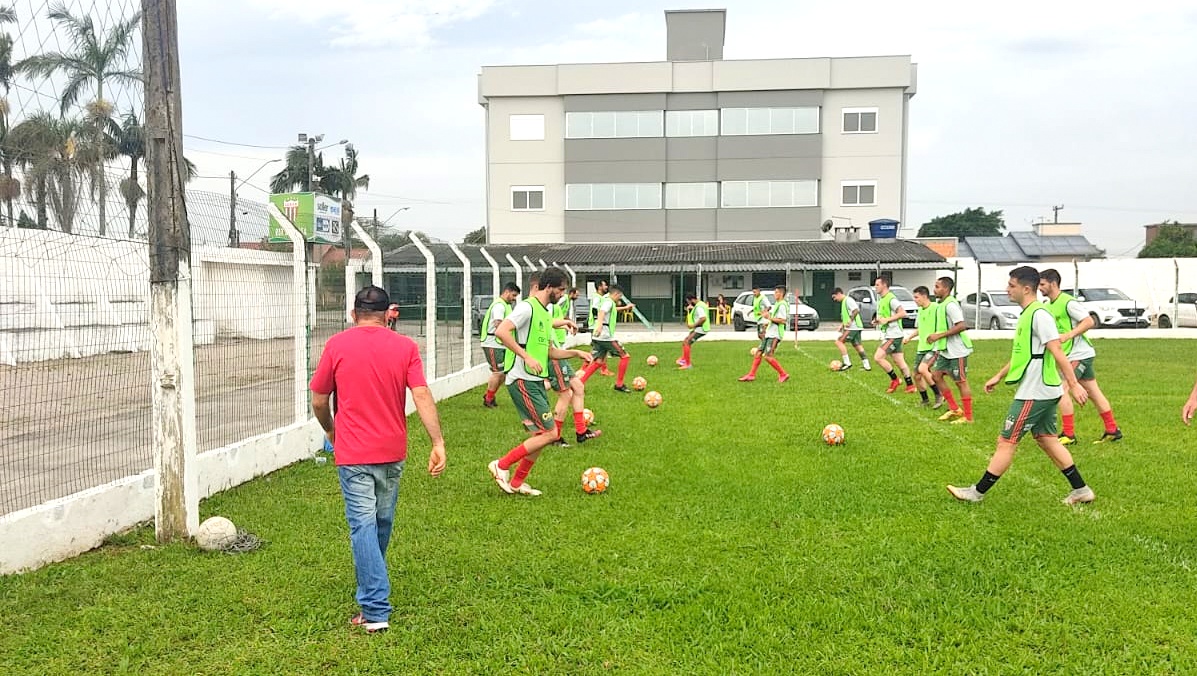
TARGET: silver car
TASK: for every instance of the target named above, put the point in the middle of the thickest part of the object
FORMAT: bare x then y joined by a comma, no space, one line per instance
997,311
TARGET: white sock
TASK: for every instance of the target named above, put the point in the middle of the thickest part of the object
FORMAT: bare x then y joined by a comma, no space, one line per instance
847,360
864,362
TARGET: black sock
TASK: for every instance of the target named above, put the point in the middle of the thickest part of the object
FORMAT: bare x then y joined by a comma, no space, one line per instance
987,481
908,380
1074,477
923,394
892,375
935,390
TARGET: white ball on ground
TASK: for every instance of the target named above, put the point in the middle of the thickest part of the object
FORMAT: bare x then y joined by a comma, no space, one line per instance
215,533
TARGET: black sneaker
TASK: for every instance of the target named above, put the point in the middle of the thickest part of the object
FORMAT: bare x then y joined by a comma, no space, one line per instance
1116,435
562,443
845,367
622,388
589,434
489,403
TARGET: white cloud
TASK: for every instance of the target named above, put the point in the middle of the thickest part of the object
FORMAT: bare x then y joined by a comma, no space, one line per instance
378,23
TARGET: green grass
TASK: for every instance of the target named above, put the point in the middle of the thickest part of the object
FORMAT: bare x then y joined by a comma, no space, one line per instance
731,541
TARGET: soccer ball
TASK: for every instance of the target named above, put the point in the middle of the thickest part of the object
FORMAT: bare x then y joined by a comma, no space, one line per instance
595,480
652,360
588,416
754,351
833,434
652,399
215,533
639,383
835,365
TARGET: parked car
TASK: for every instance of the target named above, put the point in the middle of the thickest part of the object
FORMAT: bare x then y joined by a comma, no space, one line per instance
1185,307
479,306
582,312
866,297
1110,307
997,311
802,316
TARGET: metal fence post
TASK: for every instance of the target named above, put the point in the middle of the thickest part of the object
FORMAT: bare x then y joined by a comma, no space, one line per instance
429,307
494,268
519,274
299,313
467,297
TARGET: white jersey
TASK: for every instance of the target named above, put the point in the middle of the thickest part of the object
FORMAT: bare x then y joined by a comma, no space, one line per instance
1043,331
1081,347
894,328
955,344
497,314
780,310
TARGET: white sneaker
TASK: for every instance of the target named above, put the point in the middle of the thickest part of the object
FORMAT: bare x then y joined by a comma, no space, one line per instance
1082,494
867,366
501,476
525,489
966,494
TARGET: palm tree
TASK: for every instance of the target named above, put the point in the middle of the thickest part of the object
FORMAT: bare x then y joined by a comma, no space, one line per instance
131,144
47,148
10,188
96,60
343,180
295,173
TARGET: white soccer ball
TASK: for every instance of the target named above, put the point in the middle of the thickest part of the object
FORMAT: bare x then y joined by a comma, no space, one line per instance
215,533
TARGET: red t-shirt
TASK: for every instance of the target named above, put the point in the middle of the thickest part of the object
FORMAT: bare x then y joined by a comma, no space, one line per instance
369,368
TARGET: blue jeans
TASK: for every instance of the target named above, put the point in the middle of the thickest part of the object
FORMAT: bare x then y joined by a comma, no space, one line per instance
370,493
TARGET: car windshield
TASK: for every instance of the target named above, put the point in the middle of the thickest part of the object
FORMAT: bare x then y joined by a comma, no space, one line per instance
1001,298
1103,294
901,294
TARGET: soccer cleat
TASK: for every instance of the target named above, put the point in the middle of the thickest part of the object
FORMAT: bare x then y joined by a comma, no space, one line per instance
606,372
911,389
1067,440
966,494
893,387
782,378
952,413
371,627
525,489
501,476
1079,495
867,366
1116,435
938,402
926,403
622,388
962,421
588,435
685,366
747,379
680,362
561,442
845,367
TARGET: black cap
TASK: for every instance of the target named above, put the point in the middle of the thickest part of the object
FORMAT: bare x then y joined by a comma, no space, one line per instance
372,299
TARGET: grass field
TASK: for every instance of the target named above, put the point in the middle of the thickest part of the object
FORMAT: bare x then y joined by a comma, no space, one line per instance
731,541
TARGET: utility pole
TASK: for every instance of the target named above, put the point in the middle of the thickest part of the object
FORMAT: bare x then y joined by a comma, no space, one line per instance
234,235
376,225
176,507
1056,213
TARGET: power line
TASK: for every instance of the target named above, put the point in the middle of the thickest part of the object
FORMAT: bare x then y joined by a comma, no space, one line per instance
231,143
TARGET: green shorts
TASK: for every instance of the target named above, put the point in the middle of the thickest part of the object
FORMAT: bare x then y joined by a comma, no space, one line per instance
532,403
559,374
1084,369
694,336
768,346
956,366
760,330
922,356
1037,416
495,356
891,345
852,336
601,348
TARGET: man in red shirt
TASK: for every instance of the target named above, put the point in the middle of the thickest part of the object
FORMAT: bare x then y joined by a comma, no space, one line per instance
370,368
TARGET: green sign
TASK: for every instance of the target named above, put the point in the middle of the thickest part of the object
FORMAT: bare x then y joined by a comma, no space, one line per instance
317,216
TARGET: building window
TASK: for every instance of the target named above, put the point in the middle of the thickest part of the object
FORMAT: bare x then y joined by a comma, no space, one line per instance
526,127
615,124
745,194
854,276
858,193
599,196
860,120
756,121
691,195
692,123
527,198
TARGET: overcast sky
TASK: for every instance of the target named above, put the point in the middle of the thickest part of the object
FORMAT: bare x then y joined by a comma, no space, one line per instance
1020,105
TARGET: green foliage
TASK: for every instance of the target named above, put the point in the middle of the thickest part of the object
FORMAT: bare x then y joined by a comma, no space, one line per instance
475,237
975,222
1171,241
731,541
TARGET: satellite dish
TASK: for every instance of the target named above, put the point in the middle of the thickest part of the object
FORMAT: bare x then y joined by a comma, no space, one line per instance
827,225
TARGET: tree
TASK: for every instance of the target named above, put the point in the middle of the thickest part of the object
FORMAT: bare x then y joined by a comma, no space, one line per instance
96,61
975,222
295,173
131,144
342,181
1172,240
475,237
10,187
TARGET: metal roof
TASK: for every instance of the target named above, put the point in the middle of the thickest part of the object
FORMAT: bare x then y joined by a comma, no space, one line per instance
1022,247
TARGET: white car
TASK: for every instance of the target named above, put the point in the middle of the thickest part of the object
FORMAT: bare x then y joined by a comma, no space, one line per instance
1110,307
1185,306
802,316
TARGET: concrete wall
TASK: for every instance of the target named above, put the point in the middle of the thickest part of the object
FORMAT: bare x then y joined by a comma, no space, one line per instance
862,157
521,163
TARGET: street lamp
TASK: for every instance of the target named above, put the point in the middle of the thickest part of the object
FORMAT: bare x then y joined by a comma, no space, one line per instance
234,234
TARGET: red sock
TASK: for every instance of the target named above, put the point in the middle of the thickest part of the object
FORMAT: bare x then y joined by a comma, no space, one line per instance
947,396
579,422
1108,419
559,423
513,456
623,369
776,366
756,364
686,352
589,371
490,394
968,407
1069,425
521,472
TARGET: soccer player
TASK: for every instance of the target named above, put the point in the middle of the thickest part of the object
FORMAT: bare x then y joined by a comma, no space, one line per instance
758,314
698,320
603,340
1039,389
600,292
491,347
571,391
776,317
890,314
1073,321
926,354
527,333
954,347
850,328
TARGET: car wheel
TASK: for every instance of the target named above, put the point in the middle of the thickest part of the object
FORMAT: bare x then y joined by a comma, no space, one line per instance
814,326
738,323
1165,322
1096,320
994,324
